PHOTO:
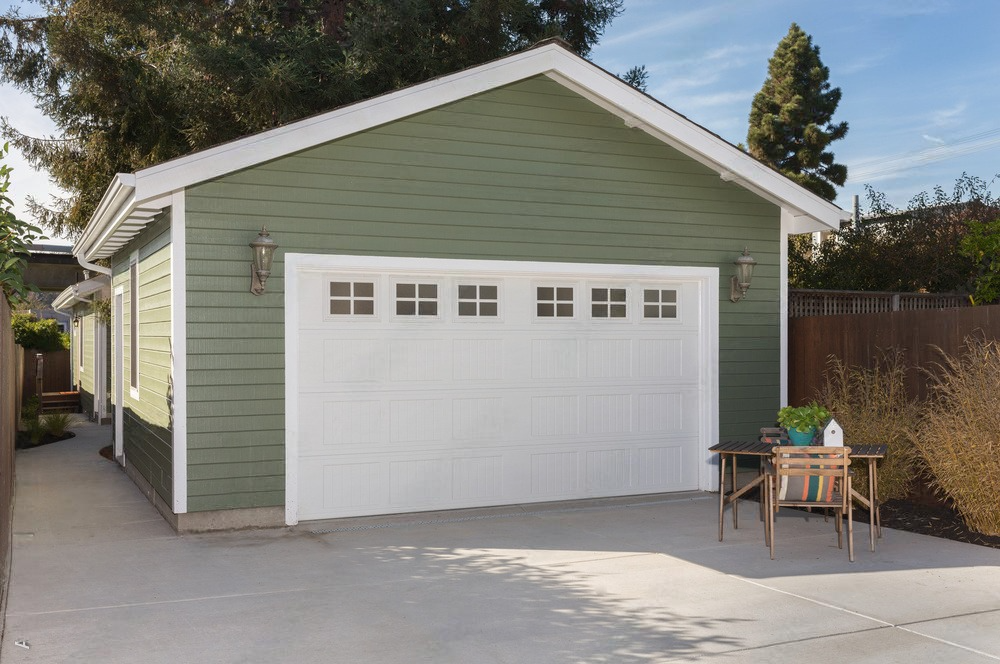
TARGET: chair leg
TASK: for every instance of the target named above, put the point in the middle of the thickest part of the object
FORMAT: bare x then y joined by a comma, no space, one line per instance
770,517
850,533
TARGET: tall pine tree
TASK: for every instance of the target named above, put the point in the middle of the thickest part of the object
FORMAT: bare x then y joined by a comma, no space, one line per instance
791,119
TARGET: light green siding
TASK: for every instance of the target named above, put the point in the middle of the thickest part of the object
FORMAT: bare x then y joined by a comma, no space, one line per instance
82,354
528,172
148,427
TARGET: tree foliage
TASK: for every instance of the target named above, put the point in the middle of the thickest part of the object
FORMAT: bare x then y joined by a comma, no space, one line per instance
132,83
38,334
791,118
16,237
920,248
982,245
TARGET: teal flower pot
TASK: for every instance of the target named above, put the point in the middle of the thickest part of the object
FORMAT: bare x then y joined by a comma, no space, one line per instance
802,438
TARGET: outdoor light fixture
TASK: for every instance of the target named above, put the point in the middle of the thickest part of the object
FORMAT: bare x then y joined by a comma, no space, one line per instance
263,253
744,272
76,321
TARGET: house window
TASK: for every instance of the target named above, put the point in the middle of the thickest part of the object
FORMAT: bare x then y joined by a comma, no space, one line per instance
133,351
352,298
607,303
658,303
478,300
554,302
416,300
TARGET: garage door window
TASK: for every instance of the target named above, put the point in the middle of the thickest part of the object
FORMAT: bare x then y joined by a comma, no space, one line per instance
554,302
607,303
658,303
416,299
478,300
349,298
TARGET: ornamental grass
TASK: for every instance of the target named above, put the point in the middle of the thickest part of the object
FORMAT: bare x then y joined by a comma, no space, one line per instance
873,407
958,437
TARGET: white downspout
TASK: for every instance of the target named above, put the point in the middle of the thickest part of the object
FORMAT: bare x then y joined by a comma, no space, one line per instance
92,266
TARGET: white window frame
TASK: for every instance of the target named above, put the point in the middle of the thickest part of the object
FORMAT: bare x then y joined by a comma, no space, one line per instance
627,302
478,300
659,320
417,282
556,286
376,298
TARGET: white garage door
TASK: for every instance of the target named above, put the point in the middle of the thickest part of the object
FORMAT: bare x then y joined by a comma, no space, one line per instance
420,384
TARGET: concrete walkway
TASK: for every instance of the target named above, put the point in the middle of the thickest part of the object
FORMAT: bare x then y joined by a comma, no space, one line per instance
99,577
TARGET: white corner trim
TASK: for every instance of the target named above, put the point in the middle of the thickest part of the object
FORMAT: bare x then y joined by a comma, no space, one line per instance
178,349
786,226
133,323
292,262
708,475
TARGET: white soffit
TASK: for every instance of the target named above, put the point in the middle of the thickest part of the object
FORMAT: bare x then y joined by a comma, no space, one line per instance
132,201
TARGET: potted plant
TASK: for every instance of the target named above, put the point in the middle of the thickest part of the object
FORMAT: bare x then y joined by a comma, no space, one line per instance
801,422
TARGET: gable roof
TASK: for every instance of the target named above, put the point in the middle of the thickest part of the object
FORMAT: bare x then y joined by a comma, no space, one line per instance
133,200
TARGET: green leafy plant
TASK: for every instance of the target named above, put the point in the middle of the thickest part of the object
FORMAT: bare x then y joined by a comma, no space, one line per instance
803,418
35,429
958,436
30,408
982,245
16,238
872,405
38,334
56,424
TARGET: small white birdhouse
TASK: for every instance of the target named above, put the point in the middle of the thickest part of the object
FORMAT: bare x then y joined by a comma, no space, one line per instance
833,435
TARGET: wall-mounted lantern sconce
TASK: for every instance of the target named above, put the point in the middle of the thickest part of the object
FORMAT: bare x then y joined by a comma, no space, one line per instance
744,272
76,321
263,253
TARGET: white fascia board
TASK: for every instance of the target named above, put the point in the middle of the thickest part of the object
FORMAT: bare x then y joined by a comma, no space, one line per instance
643,112
80,292
122,188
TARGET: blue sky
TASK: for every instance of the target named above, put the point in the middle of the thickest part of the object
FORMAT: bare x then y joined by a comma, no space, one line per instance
919,80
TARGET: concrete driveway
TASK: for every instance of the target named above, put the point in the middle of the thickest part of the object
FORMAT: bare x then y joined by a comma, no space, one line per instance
99,577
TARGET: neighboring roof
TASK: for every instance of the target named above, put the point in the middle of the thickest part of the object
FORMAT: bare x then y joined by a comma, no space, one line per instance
131,201
80,292
51,248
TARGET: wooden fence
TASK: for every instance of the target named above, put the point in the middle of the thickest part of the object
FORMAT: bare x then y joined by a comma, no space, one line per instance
10,359
56,372
858,339
804,302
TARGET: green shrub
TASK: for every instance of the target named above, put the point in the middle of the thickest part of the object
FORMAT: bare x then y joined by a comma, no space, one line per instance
873,407
56,424
30,408
41,335
35,429
959,433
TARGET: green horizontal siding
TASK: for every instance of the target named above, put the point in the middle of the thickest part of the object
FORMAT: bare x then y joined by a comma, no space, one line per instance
528,172
148,424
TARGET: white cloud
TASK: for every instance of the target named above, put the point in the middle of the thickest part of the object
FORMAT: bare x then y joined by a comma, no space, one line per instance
932,139
948,116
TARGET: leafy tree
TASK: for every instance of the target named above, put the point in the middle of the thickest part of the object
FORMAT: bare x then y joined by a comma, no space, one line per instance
131,83
38,334
791,118
982,245
16,238
921,248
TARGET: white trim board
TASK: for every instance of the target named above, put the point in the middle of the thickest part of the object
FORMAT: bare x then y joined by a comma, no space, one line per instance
707,280
178,350
131,201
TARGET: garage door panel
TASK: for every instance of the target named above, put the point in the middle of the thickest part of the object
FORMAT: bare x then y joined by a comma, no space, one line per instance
402,412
